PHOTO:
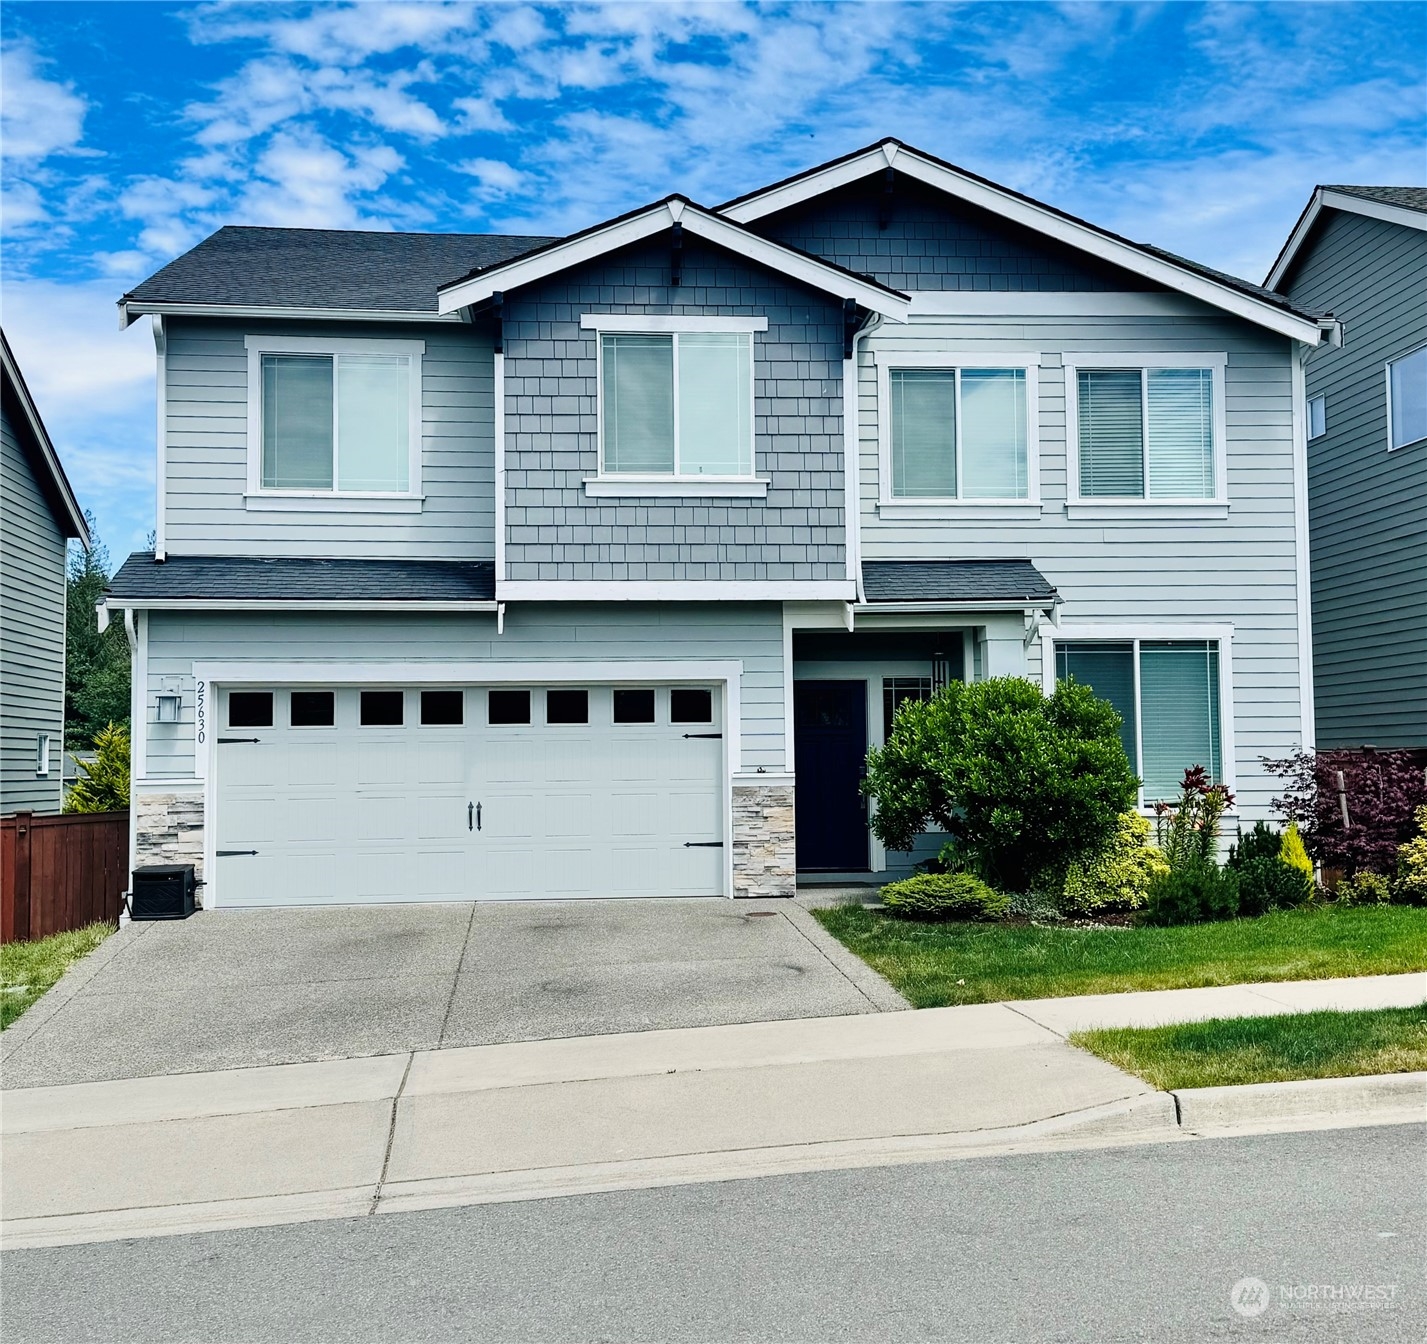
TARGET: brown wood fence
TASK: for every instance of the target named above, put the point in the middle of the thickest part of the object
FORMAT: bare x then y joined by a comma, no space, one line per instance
59,873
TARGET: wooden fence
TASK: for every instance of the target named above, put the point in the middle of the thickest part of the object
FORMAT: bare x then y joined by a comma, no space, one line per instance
59,873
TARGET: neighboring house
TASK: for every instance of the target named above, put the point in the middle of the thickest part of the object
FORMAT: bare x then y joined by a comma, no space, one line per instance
523,567
38,516
1360,253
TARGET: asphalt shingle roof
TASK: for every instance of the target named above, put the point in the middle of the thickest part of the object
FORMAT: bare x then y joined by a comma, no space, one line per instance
1410,198
326,268
955,581
293,579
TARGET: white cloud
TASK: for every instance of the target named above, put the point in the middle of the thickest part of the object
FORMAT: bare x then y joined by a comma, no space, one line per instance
38,116
302,181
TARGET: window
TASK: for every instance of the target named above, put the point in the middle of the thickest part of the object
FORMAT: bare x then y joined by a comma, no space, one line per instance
959,433
567,706
443,708
1317,417
1407,399
313,709
896,691
42,753
503,707
1167,696
337,417
383,709
1148,430
250,709
677,404
633,705
690,705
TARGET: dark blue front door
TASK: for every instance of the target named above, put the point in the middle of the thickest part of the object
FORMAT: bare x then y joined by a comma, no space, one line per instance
830,748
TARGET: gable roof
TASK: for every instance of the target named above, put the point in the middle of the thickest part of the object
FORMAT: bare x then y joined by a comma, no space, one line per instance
315,271
35,440
1252,302
1397,205
650,220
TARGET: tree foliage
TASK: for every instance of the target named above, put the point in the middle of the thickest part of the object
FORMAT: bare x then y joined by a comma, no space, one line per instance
105,786
96,681
1023,782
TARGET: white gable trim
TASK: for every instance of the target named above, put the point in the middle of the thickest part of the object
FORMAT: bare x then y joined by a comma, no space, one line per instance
1030,215
1325,198
700,223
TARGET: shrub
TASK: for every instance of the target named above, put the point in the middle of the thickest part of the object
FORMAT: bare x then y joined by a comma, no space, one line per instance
1022,782
1192,895
1410,882
1294,854
1270,884
1119,876
105,786
945,896
1188,831
1263,842
1364,888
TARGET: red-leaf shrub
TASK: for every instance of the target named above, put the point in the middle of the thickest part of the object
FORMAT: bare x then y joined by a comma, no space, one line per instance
1382,788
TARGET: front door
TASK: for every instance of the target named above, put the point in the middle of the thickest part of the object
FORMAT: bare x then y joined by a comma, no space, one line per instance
830,750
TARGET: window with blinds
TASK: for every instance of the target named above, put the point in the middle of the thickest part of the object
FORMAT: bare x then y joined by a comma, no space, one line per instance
1407,399
1146,433
959,434
677,405
1167,695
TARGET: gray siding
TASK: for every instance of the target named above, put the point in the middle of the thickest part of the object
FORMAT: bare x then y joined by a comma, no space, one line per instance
207,475
1367,506
554,532
32,625
623,632
921,239
1240,570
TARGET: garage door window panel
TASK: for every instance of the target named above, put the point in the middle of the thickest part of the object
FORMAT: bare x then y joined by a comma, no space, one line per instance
383,709
690,705
507,707
634,705
567,706
313,709
250,709
443,708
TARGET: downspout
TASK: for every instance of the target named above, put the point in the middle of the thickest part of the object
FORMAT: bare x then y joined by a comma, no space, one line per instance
1302,556
852,453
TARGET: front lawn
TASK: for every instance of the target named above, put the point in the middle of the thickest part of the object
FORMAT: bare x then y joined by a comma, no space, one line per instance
1229,1051
28,969
934,965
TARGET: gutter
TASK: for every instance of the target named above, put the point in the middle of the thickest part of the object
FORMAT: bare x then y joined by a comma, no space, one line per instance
131,309
130,604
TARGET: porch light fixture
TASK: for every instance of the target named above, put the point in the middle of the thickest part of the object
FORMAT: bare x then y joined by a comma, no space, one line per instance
169,706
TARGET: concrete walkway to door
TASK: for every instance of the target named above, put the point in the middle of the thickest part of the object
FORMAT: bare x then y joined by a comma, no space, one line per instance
227,990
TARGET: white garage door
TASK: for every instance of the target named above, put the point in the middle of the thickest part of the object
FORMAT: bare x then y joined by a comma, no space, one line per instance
381,793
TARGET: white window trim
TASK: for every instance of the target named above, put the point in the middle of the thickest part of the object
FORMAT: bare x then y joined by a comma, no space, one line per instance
1308,416
42,755
1094,633
1392,446
1104,507
910,507
258,496
634,485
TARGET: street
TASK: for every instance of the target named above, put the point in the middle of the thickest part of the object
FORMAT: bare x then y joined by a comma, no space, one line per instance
1130,1244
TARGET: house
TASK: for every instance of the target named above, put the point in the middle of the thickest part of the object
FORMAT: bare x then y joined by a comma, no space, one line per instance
1360,253
591,566
38,516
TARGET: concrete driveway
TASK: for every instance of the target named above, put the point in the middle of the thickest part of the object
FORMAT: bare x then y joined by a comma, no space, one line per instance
235,989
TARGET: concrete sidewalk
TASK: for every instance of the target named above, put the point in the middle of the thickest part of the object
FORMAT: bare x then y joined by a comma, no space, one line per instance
146,1156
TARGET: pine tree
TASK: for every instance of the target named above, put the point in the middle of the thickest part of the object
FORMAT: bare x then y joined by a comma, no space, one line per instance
105,786
96,690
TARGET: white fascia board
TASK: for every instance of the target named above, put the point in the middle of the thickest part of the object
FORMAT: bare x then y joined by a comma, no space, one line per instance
203,604
1023,605
676,590
74,515
700,223
130,309
1039,219
474,672
1338,200
645,323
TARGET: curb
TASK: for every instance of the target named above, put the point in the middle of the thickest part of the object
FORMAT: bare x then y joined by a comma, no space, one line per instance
1387,1098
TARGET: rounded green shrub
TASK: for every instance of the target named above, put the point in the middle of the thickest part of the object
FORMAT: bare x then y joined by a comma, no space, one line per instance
945,896
1192,895
1119,876
1270,884
1262,842
1364,888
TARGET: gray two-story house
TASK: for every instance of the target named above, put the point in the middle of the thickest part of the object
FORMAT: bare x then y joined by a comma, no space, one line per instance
504,567
1360,253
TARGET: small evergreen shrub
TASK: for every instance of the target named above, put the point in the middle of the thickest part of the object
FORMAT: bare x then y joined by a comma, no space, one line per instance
1364,888
1270,884
945,896
105,786
1409,884
1263,842
1193,894
1119,876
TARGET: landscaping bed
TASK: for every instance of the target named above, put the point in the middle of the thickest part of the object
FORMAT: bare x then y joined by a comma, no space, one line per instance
27,970
939,964
1232,1051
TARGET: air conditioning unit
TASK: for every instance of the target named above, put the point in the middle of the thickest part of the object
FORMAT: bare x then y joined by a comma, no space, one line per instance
162,891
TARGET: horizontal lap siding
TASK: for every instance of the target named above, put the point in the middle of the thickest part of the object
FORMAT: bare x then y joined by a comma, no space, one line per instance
1239,571
1367,506
634,632
207,452
555,532
32,633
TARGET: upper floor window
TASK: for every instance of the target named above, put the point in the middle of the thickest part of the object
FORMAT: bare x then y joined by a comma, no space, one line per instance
1146,429
339,417
1317,417
1407,399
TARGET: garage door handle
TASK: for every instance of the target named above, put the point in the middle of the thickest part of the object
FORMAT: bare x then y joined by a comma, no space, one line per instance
233,853
687,736
221,740
703,844
473,814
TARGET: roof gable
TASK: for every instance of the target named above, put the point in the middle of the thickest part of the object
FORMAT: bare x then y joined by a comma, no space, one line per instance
1406,206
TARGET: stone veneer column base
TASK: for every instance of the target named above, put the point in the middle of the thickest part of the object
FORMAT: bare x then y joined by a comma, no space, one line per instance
168,828
764,859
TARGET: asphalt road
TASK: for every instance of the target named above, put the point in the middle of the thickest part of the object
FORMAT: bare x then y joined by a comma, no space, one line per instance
1132,1244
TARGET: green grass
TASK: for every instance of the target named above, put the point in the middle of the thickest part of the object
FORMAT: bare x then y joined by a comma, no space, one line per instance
27,970
934,965
1229,1051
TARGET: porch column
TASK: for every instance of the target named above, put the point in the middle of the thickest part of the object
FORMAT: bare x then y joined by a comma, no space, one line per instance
1003,647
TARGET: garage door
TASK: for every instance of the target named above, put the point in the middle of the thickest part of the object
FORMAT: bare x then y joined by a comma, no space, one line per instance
383,793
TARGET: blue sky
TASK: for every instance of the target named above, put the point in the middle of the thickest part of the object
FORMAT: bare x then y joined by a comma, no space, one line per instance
131,131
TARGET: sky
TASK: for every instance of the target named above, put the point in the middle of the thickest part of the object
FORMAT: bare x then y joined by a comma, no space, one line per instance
133,130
